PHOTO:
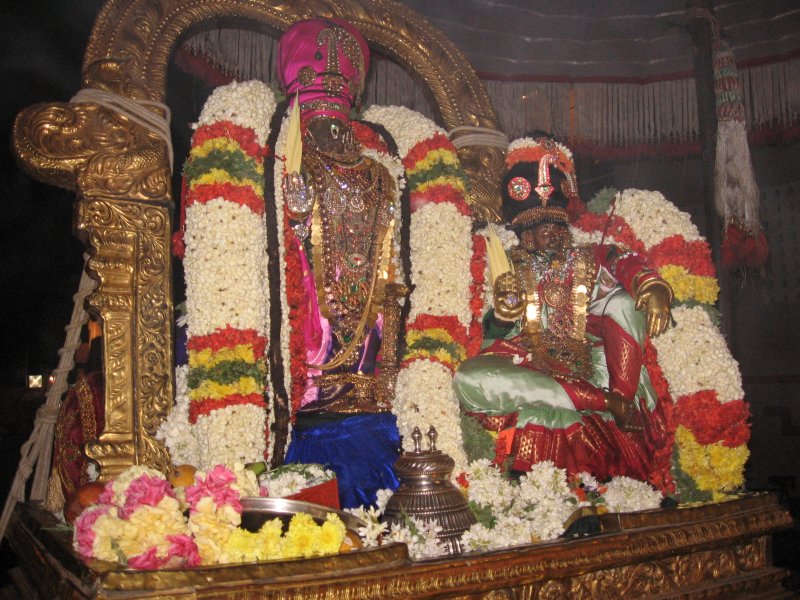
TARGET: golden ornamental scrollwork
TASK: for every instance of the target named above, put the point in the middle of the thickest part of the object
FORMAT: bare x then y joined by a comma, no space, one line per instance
132,263
89,148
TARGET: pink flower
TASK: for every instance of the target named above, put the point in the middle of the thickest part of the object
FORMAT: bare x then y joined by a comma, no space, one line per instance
145,490
107,496
217,485
182,553
147,561
84,529
185,547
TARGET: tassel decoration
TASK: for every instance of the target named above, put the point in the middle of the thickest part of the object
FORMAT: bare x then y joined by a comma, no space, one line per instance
736,192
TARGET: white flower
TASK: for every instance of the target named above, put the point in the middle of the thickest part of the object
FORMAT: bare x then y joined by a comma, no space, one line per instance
423,397
624,494
175,431
382,498
246,480
441,252
488,487
406,126
225,264
653,218
248,104
375,531
694,357
524,142
229,435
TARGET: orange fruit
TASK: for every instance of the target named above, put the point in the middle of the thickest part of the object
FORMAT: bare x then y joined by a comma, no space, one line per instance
90,492
182,475
351,542
83,497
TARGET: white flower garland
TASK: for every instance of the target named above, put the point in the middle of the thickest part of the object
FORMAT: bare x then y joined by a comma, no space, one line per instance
226,286
441,244
225,264
176,431
694,357
406,126
423,397
654,218
249,104
441,253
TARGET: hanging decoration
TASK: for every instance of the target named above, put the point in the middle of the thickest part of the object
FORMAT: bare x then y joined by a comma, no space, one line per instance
736,192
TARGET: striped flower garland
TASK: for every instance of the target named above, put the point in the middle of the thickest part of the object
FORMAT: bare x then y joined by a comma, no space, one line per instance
226,280
447,273
690,363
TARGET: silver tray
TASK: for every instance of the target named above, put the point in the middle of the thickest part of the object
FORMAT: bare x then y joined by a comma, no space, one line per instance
256,511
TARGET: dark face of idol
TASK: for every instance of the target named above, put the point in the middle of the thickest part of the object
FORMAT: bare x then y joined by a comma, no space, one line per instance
329,133
545,237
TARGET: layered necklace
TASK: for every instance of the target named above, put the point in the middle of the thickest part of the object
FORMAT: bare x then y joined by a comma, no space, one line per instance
559,283
352,224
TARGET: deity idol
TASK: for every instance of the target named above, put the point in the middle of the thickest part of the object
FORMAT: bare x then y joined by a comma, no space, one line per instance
341,208
561,372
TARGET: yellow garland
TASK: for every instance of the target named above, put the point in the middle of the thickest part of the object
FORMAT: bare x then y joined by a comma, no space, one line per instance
690,287
224,144
246,546
454,182
217,391
207,357
440,155
715,468
220,176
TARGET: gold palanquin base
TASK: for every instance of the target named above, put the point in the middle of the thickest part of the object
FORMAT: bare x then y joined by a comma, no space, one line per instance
714,551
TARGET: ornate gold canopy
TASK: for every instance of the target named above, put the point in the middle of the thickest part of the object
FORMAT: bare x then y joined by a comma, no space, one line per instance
121,174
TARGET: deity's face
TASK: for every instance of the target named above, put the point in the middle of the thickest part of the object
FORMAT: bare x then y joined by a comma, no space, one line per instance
545,236
329,133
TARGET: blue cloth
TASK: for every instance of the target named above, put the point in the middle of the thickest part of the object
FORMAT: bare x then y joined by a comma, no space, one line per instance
360,449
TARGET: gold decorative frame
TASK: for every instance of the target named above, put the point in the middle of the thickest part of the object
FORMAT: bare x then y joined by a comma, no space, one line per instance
120,173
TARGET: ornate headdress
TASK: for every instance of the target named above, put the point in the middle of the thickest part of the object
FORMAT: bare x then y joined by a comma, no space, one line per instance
540,183
325,61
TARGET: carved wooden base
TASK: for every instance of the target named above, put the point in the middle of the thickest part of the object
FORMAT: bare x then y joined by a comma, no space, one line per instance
717,551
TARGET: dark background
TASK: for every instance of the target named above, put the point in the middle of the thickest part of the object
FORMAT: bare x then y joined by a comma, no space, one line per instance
41,50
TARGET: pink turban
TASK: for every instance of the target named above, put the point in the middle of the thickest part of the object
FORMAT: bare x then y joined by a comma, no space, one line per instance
326,60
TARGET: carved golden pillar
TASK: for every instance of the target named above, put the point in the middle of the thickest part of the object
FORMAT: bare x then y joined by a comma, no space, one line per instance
120,172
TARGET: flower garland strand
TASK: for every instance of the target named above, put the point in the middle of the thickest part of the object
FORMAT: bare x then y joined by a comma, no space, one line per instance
447,301
226,281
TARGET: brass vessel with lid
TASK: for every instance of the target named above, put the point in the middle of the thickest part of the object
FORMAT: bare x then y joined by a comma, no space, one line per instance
426,492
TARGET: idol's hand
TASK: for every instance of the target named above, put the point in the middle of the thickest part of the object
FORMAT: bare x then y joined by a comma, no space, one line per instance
509,300
624,412
654,297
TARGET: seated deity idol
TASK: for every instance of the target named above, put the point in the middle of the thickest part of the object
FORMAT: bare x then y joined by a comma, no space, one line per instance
340,207
561,371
